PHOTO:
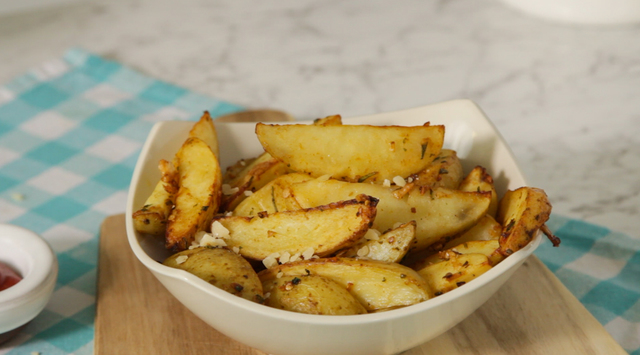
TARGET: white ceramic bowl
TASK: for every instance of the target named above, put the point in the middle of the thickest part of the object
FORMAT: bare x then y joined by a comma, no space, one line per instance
281,332
30,256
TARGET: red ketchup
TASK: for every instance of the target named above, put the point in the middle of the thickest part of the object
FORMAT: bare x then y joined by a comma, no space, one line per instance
8,277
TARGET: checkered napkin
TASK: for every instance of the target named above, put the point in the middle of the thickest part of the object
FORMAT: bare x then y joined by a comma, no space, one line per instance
602,269
70,134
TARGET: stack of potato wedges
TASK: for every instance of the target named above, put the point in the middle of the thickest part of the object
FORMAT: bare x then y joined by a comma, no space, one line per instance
336,219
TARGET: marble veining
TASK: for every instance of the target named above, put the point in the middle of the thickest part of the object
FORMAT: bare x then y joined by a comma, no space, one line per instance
566,98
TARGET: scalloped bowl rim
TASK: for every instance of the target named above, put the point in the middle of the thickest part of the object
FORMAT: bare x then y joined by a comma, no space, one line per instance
465,107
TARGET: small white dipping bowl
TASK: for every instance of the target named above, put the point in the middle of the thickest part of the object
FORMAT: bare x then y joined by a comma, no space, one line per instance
280,332
32,258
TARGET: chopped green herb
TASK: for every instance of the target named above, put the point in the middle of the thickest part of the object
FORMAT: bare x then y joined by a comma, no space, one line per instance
363,178
424,149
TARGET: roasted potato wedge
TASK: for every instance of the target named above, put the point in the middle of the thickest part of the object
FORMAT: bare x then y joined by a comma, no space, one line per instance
479,180
205,130
444,171
152,217
375,284
486,229
275,196
311,294
440,214
222,268
198,196
312,149
459,269
323,229
522,213
391,246
257,174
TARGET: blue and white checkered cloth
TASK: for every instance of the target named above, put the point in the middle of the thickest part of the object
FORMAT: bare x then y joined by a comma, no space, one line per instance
70,134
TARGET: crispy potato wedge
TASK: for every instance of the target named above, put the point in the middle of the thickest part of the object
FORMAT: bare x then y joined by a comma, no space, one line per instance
391,246
205,130
312,149
522,212
311,294
486,229
198,196
255,175
444,171
333,120
221,268
447,275
479,180
440,214
375,284
488,248
152,217
324,229
275,196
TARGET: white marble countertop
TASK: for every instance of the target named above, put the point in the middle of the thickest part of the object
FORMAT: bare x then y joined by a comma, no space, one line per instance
566,98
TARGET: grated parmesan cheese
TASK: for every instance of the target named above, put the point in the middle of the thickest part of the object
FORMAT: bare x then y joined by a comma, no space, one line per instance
248,193
386,183
218,230
284,257
181,259
372,234
279,274
236,250
364,251
308,253
227,190
269,262
399,180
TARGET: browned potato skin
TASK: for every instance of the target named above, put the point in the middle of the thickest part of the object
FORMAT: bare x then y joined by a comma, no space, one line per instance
311,149
198,197
375,284
459,269
391,246
479,179
522,212
256,175
205,130
326,229
310,294
152,217
333,120
444,171
222,268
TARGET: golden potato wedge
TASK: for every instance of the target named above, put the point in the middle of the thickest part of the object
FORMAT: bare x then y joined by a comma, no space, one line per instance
205,130
489,248
198,197
323,229
479,180
333,120
221,268
375,284
447,275
275,196
311,294
440,214
152,217
312,149
444,171
391,246
486,229
522,213
257,174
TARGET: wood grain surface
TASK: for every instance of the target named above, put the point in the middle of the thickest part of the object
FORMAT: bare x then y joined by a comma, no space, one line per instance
533,313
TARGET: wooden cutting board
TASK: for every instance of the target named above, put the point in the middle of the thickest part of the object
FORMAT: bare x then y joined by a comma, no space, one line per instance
533,313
